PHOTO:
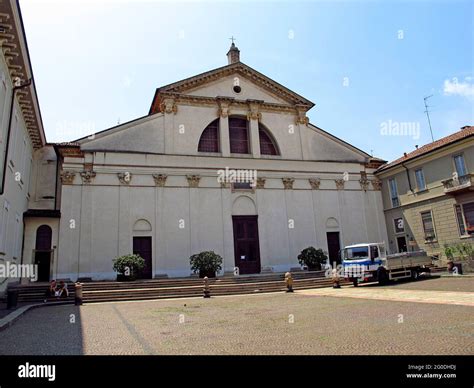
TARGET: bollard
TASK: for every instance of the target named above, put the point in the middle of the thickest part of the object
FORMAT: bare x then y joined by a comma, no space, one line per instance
289,282
335,279
207,290
78,294
12,299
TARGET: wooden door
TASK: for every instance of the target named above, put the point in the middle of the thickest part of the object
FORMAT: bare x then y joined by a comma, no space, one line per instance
246,246
43,252
43,263
142,247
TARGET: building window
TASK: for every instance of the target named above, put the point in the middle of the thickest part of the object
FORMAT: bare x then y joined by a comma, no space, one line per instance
428,226
465,217
267,145
393,192
209,141
460,165
238,133
420,180
399,225
245,186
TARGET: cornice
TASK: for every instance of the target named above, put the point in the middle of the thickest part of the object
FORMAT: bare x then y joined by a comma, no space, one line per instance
17,61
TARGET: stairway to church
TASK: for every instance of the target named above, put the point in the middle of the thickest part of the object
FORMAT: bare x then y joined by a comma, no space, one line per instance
162,288
179,287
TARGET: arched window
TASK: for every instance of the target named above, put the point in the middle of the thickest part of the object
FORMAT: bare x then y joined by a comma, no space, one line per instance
43,238
267,145
239,136
209,141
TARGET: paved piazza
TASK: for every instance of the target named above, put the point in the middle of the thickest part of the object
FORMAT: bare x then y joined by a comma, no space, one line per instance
406,318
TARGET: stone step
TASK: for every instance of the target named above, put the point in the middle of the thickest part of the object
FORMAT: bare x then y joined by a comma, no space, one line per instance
179,287
152,283
197,293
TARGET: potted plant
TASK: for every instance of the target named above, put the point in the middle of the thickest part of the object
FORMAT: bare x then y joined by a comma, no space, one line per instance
449,251
206,263
128,267
312,258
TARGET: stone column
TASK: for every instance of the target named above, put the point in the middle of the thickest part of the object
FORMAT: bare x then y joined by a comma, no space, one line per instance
224,111
193,223
253,116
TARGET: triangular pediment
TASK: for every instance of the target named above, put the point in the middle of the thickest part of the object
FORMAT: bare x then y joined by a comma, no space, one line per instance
209,84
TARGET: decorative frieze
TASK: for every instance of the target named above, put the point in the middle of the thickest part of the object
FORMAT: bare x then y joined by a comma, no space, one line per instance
301,117
160,179
364,184
288,183
315,183
223,109
169,106
377,184
254,110
339,184
87,176
261,183
124,177
67,177
193,180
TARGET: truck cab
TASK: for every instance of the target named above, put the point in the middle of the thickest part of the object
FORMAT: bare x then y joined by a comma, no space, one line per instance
362,261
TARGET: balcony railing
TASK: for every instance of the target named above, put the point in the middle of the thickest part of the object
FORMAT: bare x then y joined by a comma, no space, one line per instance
459,184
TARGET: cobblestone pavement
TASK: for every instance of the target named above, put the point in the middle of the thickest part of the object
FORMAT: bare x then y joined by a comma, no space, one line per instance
451,283
276,323
399,295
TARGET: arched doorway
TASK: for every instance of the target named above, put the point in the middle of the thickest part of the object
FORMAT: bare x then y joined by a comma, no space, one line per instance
246,243
142,245
43,252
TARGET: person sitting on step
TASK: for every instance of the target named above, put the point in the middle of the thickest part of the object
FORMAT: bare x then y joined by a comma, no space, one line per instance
62,290
51,291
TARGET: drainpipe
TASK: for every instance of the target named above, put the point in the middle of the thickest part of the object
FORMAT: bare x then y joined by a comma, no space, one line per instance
408,177
7,145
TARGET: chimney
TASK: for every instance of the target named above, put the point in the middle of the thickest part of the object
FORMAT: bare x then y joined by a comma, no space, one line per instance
233,55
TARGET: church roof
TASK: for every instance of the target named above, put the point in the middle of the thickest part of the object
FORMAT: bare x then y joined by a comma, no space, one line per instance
239,68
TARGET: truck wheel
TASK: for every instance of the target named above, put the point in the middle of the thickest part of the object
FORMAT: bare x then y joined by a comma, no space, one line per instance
414,274
382,276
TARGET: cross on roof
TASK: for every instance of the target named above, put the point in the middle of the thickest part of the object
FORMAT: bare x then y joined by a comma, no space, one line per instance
232,39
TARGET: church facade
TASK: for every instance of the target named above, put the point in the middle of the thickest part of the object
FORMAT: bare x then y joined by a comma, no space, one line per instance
226,161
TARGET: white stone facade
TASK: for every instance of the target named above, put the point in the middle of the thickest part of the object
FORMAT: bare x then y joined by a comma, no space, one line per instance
135,180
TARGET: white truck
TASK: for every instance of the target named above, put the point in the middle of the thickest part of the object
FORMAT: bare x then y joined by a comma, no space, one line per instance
370,262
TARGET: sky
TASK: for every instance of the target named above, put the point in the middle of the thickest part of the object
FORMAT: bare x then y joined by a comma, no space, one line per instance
367,65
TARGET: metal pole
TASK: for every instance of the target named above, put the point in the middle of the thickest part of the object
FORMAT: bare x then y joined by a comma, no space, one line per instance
428,115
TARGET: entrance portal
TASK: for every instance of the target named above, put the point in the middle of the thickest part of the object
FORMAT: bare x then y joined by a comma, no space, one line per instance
246,246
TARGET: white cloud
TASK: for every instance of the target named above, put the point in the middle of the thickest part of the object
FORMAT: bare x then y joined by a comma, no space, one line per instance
454,87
